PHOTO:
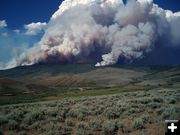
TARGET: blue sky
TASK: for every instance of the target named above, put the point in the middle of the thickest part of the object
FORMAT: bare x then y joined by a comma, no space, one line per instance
19,13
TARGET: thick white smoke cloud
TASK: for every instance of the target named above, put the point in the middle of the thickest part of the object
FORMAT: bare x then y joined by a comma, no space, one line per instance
102,31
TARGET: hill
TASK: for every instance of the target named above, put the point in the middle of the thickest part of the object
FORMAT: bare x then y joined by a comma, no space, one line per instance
49,82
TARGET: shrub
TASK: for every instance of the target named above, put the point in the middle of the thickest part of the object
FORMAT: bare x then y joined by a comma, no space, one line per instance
22,133
142,133
60,118
154,105
112,112
16,114
97,110
133,111
89,132
3,120
35,115
66,131
158,100
80,131
145,118
81,127
53,129
120,125
36,125
52,112
138,123
95,124
12,125
170,113
160,110
145,100
172,101
109,127
80,116
70,114
69,122
80,112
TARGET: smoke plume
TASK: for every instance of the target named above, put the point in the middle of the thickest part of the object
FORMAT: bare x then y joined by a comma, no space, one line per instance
102,31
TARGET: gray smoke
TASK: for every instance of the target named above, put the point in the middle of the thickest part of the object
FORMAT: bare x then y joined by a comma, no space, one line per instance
102,31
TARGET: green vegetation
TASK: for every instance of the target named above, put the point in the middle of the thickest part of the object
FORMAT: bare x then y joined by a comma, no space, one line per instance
128,112
81,99
110,127
44,82
138,123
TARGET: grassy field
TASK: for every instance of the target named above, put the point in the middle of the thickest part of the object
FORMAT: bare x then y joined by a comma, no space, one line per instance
81,99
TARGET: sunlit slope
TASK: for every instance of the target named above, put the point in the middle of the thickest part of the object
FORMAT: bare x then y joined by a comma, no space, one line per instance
74,74
47,82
